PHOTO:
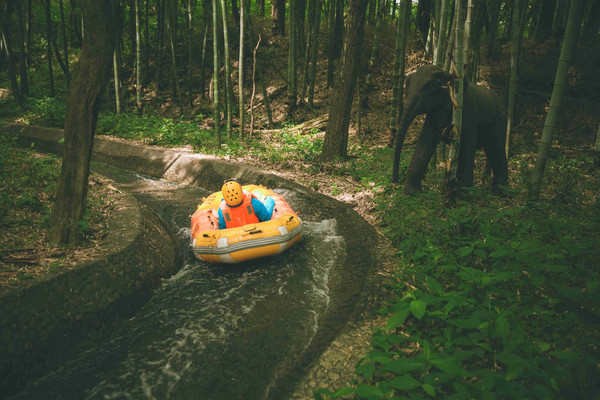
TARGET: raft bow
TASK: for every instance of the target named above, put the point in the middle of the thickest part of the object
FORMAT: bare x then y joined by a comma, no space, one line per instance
250,241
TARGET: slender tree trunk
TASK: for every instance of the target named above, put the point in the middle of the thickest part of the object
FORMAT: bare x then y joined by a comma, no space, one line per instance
241,70
375,48
64,39
138,59
116,14
336,134
331,44
450,181
217,111
253,86
292,76
147,43
438,57
48,47
545,21
22,54
494,12
5,43
160,33
202,62
514,69
560,84
80,121
278,15
315,50
190,50
467,59
171,8
399,67
450,48
228,88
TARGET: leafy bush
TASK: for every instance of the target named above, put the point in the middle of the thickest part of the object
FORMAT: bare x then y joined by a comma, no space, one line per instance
499,306
46,111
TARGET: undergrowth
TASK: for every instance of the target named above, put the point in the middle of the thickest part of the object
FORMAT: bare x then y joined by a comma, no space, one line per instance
493,298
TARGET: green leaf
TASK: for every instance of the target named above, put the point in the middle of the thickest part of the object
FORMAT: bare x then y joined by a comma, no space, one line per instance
465,251
499,253
543,346
404,382
434,285
418,308
368,391
429,389
449,366
513,372
397,319
344,392
502,327
566,355
470,323
402,365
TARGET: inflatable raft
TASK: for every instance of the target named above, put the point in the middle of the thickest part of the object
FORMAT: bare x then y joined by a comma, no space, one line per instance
250,241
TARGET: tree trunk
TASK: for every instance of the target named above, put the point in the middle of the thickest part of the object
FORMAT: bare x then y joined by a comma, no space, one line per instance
331,44
336,135
560,83
190,50
228,88
171,8
514,69
64,39
291,78
438,57
450,48
48,46
217,111
241,71
235,12
80,120
399,67
545,21
278,15
423,18
467,62
315,50
160,32
375,47
138,59
147,43
5,43
22,54
202,62
450,180
494,12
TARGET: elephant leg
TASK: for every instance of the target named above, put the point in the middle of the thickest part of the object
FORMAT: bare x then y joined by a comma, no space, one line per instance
466,155
426,145
495,153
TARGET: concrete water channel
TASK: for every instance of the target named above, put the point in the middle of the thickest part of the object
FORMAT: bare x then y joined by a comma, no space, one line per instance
245,331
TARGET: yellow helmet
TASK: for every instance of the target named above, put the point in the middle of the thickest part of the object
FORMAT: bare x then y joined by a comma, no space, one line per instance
232,193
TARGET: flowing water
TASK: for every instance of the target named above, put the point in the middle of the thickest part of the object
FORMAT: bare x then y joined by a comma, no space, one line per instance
209,331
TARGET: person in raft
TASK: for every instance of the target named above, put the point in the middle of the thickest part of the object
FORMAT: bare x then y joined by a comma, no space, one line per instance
240,208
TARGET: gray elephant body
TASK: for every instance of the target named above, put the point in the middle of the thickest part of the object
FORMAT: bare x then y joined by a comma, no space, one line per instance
484,126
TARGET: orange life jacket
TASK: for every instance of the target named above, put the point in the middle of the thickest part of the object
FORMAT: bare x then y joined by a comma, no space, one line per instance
239,215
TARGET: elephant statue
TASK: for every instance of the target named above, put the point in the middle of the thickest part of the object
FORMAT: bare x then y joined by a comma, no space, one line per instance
483,125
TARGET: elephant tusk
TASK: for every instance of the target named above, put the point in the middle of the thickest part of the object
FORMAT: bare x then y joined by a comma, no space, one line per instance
451,93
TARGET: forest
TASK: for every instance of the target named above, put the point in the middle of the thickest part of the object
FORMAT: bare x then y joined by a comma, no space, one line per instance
493,288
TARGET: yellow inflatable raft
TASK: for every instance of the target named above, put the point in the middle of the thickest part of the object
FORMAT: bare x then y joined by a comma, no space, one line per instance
250,241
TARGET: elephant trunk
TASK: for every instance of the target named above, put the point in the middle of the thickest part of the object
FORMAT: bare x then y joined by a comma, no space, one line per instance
408,116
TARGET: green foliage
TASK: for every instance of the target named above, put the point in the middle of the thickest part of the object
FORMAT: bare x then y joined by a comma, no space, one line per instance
154,130
24,180
46,111
500,305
